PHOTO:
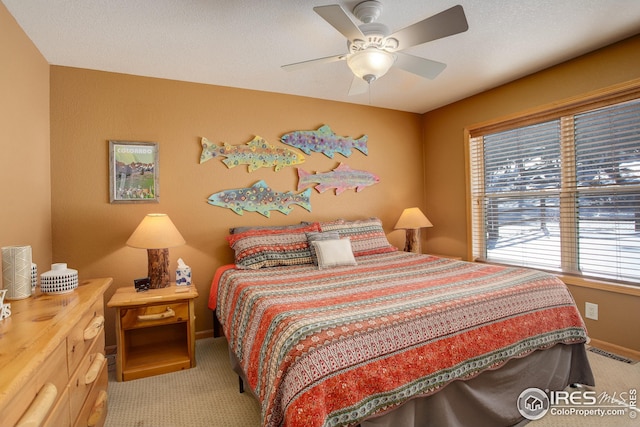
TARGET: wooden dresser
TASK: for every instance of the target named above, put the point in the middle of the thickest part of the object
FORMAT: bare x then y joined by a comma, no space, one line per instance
53,370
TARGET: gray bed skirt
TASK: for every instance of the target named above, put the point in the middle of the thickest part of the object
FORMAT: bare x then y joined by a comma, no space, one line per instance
489,399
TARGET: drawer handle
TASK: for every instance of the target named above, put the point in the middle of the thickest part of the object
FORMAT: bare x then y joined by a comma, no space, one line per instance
94,328
166,314
98,409
94,369
40,406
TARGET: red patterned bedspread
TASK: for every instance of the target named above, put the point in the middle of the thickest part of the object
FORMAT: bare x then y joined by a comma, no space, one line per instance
332,347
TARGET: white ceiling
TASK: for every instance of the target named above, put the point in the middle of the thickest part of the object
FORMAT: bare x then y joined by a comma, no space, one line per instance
243,43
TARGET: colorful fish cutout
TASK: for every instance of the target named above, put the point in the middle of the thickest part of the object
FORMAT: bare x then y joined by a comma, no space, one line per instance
256,154
341,178
324,141
260,198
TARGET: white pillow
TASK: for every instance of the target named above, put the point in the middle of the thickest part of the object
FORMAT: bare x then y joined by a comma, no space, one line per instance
334,253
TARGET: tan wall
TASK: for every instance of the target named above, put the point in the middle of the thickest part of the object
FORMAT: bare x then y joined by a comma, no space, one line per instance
445,170
88,108
25,183
617,316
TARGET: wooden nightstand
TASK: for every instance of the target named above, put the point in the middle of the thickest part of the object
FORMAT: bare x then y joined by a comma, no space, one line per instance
155,330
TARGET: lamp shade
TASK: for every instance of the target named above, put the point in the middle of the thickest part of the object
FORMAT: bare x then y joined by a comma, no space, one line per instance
370,64
156,231
412,218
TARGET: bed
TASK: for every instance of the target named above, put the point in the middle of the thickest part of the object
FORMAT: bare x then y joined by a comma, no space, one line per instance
329,325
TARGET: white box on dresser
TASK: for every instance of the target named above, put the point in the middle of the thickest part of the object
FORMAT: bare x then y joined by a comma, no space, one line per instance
52,366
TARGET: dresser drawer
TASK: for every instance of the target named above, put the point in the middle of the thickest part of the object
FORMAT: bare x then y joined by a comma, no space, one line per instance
87,374
59,415
154,315
50,380
94,410
84,334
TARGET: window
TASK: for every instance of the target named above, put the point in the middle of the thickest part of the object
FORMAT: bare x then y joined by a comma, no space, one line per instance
560,190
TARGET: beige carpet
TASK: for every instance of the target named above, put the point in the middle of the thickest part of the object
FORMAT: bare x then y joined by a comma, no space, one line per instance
204,396
613,379
207,395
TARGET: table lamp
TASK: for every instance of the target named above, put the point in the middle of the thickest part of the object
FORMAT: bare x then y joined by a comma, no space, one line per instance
156,233
412,219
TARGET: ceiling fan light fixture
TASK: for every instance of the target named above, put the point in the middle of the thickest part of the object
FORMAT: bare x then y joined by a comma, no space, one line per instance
371,63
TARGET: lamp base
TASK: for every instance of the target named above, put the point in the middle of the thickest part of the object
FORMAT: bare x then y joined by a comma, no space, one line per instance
412,241
158,268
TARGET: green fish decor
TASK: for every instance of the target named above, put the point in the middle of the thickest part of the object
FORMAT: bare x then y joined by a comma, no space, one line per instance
260,198
256,154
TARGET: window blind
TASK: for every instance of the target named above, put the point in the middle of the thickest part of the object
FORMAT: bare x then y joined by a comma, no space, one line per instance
561,195
522,195
607,143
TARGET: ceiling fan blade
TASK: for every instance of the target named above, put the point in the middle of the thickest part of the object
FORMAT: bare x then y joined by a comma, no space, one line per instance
419,66
446,23
335,15
358,86
305,64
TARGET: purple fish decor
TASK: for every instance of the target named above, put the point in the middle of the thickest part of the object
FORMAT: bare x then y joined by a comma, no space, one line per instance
341,178
256,154
260,198
324,141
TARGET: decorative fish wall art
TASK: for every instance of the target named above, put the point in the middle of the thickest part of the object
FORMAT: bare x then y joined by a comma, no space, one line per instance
323,140
341,178
256,154
260,198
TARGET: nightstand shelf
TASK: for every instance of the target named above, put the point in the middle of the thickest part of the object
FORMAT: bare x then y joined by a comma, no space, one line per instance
155,331
146,361
171,354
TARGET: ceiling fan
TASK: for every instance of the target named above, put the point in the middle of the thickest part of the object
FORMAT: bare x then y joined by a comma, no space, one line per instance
372,50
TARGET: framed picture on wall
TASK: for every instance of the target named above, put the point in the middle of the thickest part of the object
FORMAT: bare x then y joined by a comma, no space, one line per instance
133,172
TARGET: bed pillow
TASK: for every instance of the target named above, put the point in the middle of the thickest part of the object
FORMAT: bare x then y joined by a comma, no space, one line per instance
256,249
333,253
317,236
366,235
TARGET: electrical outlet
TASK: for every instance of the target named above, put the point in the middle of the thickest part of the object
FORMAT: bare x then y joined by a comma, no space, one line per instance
591,311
